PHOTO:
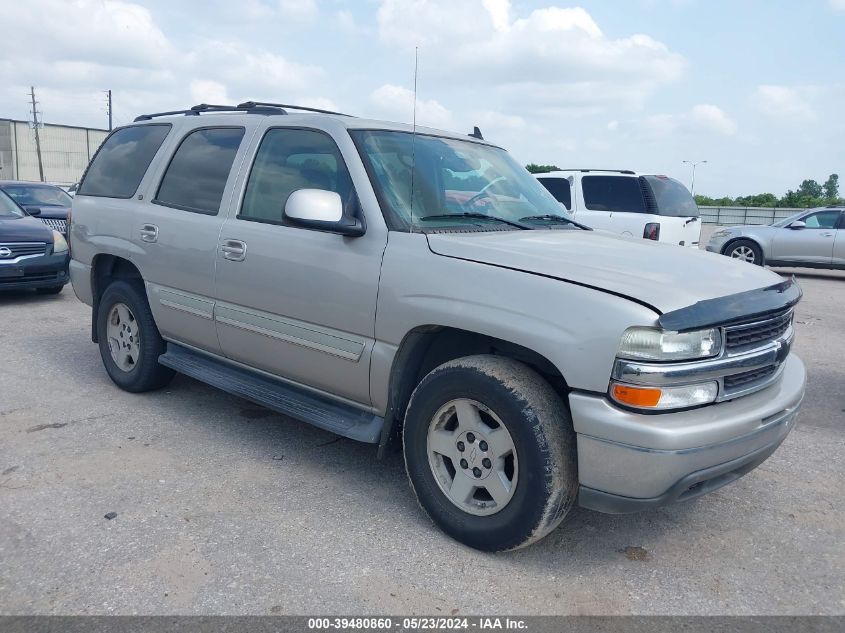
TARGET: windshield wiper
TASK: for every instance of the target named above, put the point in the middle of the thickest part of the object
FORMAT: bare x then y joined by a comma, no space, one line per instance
475,216
548,217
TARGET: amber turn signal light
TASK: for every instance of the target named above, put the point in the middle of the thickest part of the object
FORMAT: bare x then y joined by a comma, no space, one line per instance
636,396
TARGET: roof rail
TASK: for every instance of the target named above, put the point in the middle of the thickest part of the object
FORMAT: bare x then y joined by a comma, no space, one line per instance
254,104
196,110
614,171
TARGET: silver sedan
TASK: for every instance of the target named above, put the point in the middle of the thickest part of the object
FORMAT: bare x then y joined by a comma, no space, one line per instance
814,238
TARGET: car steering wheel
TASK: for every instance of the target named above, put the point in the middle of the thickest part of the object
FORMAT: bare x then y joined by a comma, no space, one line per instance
483,193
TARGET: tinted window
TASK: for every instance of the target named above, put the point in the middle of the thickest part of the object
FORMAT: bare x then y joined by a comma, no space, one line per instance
560,189
822,220
120,163
198,171
613,193
288,160
671,197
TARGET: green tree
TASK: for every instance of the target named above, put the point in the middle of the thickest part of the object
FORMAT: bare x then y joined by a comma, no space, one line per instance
541,169
831,188
810,189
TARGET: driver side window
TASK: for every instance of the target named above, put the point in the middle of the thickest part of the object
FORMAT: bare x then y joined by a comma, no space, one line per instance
291,159
822,220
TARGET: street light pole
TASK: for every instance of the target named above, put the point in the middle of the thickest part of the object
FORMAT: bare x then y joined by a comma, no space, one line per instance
693,163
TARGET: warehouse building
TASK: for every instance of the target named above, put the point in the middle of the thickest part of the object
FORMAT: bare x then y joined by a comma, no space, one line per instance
65,151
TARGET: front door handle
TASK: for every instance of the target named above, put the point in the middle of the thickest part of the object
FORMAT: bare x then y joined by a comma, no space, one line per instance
827,234
233,250
149,233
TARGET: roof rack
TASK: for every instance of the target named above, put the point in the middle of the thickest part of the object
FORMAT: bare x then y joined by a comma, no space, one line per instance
205,107
614,171
254,104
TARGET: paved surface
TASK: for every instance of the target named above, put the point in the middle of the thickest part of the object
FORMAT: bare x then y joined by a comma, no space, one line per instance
223,507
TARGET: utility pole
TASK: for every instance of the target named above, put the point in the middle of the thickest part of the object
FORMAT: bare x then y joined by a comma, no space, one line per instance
35,125
108,92
693,164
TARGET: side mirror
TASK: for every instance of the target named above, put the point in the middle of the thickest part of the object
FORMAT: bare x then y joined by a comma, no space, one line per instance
798,224
33,210
322,211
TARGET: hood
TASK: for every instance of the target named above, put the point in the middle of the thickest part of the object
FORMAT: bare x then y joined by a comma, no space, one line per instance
664,276
48,210
26,229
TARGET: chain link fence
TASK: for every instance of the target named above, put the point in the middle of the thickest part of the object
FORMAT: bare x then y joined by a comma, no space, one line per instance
730,216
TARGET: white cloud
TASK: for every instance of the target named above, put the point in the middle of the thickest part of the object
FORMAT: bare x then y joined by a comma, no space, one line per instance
837,5
397,103
782,102
553,58
613,125
700,119
298,9
89,45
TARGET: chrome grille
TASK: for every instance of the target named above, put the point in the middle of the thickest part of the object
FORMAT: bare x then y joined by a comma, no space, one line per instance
57,224
21,249
739,336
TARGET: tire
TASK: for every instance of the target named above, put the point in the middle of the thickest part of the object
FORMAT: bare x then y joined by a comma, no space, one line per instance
134,335
50,291
542,475
746,251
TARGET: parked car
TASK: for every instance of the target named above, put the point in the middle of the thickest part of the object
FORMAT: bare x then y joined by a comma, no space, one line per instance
655,208
523,361
31,254
49,203
814,238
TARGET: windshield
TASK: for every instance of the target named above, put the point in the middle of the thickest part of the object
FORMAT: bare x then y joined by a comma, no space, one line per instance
671,197
38,195
789,220
8,208
471,183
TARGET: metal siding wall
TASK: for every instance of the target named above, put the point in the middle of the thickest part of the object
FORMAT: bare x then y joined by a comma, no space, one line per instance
7,157
65,151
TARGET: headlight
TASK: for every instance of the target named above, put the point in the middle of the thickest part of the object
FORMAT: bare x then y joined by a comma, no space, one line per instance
661,398
59,243
643,343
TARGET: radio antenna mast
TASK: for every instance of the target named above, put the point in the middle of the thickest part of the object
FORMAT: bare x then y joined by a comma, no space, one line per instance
414,134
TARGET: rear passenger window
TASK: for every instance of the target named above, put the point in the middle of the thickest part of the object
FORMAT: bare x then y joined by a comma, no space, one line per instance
291,159
613,193
560,189
122,161
197,174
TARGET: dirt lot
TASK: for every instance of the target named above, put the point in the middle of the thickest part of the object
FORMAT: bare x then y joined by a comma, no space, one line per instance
224,507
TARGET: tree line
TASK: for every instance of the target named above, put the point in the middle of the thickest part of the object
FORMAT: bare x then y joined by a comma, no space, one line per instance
808,194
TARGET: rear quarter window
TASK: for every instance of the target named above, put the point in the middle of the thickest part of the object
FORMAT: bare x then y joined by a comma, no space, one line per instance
613,193
560,189
122,160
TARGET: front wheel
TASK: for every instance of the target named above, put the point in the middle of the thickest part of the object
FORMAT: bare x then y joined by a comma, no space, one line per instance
490,452
745,251
130,343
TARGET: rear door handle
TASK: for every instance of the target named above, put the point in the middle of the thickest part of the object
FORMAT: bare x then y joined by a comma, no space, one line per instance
233,250
149,233
827,234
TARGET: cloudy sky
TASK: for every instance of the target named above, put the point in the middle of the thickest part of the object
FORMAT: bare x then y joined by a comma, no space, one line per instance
755,87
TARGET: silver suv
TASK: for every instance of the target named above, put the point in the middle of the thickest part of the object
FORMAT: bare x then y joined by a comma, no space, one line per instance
394,284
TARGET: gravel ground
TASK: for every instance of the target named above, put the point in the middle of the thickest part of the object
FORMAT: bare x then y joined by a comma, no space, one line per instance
225,508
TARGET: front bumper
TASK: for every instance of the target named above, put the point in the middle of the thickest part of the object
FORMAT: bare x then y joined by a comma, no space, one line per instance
48,271
630,461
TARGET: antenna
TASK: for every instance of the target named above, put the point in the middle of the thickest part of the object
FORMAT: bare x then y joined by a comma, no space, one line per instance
414,134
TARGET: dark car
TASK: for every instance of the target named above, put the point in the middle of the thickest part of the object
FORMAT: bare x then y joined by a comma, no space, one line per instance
32,255
49,203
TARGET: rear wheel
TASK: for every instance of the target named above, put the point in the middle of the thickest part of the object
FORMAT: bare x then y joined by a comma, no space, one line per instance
746,251
130,343
490,452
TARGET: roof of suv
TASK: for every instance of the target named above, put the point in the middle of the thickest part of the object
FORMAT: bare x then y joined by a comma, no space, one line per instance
568,172
301,115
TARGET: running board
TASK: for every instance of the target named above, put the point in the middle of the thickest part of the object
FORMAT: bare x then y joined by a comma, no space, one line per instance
322,412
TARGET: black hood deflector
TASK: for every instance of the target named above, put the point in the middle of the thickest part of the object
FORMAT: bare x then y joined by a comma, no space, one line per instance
741,307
